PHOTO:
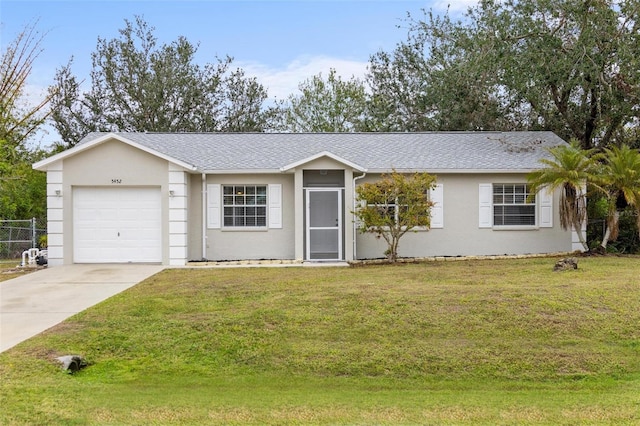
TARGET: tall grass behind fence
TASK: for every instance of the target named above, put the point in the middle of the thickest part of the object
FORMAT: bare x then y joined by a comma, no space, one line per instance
17,236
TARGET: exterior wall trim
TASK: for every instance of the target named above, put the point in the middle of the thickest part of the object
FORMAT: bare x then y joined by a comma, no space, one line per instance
55,213
178,216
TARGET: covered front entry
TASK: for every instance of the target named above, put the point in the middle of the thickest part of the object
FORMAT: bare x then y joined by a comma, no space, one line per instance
324,229
117,225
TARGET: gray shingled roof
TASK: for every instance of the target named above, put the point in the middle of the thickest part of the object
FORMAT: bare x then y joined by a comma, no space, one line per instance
441,151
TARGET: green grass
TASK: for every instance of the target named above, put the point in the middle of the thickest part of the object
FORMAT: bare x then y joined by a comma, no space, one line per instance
470,342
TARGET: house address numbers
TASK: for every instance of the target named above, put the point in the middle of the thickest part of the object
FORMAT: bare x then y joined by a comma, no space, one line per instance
116,181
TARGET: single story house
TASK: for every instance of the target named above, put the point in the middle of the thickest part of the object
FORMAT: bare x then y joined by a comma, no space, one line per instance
171,198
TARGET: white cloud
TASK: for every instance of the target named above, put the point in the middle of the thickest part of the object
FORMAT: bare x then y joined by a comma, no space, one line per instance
283,81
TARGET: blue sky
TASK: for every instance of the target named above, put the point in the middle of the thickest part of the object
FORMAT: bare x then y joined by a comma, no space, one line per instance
280,42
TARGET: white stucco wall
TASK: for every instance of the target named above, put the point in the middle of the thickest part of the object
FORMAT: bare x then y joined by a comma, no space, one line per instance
113,164
234,243
461,234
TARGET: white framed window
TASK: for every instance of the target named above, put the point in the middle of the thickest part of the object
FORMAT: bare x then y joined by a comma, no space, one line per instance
513,205
436,195
244,206
387,210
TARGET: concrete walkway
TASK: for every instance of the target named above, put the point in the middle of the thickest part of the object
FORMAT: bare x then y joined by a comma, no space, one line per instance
32,303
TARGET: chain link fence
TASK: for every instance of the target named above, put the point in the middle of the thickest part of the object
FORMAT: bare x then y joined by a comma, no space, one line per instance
16,236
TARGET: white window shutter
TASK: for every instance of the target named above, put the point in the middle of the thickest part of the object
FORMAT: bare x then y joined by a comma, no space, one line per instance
436,195
545,197
275,206
485,213
213,206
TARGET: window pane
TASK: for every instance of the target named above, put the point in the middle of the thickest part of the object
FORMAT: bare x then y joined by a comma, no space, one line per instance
498,215
519,220
240,203
516,210
511,206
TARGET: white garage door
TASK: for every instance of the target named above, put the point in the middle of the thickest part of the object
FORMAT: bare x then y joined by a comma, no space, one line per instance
117,225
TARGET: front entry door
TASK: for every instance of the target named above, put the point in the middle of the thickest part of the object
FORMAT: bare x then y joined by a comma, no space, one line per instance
324,224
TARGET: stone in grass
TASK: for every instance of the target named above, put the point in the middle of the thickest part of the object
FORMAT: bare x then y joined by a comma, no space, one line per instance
566,264
72,363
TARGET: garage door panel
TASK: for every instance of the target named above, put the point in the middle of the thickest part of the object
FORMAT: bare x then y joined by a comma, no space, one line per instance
117,225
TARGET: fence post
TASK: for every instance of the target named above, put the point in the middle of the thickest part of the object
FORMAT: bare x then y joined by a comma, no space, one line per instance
33,232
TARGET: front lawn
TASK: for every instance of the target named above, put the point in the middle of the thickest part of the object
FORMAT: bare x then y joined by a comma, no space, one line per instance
466,342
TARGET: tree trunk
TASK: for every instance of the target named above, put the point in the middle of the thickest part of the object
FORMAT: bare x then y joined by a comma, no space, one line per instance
392,255
608,231
578,229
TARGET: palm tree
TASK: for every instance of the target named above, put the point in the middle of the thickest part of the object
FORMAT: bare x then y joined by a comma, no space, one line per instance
570,169
620,182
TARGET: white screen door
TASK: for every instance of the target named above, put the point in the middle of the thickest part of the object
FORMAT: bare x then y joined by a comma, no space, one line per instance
324,224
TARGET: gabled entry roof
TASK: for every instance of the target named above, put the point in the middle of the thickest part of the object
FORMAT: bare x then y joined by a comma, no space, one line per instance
323,154
375,152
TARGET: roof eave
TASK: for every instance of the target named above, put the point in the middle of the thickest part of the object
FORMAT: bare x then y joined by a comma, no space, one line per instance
453,171
242,171
43,164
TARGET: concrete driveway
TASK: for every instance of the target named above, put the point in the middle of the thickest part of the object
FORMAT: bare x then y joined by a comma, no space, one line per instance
37,301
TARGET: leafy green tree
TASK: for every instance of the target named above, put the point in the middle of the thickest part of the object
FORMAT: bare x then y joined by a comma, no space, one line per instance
569,66
137,85
574,62
325,105
393,206
436,80
620,180
570,170
243,107
22,190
